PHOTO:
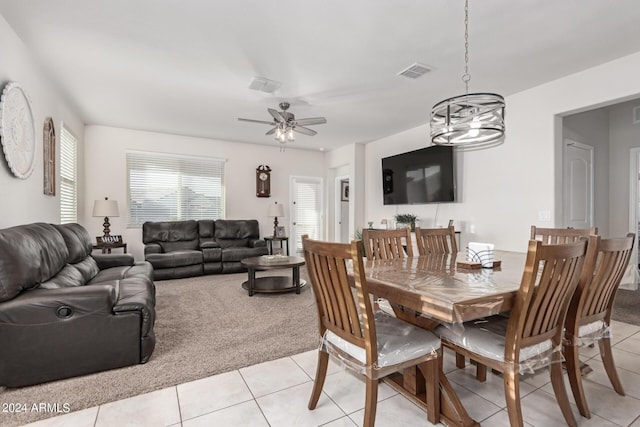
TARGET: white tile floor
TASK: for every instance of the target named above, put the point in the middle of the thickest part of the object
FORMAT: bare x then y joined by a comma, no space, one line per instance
275,394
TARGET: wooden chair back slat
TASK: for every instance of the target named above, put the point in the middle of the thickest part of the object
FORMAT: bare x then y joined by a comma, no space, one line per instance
349,317
387,244
597,291
436,240
551,275
559,236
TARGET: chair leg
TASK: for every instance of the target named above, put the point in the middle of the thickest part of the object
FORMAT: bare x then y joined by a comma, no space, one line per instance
460,363
511,382
560,391
318,383
574,373
609,365
371,402
431,372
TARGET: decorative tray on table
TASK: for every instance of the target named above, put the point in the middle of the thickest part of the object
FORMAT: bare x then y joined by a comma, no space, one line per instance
275,258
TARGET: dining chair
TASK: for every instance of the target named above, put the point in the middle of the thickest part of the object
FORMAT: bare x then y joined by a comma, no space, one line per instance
436,240
531,338
387,244
589,315
556,236
372,344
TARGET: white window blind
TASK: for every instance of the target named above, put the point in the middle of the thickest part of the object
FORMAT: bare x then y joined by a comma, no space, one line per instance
165,187
307,212
68,177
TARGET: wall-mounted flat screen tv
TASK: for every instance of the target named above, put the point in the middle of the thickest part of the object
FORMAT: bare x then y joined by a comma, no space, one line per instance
421,176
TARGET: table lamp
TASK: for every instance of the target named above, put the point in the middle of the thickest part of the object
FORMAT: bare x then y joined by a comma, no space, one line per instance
106,208
275,211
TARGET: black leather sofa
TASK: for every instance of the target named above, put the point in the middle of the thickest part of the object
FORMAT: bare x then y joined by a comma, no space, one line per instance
65,312
179,249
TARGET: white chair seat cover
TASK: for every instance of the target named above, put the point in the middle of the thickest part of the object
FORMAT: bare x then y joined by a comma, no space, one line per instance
486,337
398,342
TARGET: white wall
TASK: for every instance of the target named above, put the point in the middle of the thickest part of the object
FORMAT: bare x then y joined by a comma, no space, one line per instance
105,161
24,200
503,188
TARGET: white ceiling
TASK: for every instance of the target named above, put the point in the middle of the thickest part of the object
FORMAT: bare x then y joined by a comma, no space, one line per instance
184,67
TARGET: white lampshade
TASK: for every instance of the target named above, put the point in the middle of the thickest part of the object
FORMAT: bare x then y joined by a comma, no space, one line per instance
276,210
105,208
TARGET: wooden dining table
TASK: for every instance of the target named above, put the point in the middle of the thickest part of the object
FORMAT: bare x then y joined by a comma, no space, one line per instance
433,289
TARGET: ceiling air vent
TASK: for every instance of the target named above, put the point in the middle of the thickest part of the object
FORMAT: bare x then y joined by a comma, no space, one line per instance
264,85
414,71
636,115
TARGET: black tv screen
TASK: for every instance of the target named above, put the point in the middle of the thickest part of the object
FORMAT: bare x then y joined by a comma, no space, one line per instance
421,176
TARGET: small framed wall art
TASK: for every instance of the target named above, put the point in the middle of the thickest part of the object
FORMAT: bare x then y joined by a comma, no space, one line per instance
344,193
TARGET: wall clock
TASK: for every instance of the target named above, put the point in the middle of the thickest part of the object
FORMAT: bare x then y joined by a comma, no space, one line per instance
263,181
17,130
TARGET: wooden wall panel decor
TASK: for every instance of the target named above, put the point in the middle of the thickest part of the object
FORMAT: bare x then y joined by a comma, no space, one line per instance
49,160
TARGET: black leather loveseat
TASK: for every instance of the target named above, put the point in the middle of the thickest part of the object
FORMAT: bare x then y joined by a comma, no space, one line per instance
65,312
192,248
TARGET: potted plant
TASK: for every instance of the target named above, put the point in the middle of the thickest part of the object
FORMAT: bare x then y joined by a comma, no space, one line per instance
406,220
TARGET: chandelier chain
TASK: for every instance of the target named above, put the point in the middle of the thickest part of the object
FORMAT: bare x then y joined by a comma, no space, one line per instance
466,76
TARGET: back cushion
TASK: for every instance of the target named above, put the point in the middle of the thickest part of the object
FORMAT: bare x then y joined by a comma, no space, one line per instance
170,231
77,239
29,255
68,277
237,229
88,268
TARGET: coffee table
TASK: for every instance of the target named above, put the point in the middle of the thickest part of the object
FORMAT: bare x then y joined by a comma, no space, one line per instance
273,284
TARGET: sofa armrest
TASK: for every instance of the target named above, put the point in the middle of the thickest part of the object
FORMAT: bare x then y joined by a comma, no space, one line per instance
105,261
137,294
41,306
257,243
152,248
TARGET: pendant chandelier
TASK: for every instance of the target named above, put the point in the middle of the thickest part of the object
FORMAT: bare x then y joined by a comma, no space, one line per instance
474,120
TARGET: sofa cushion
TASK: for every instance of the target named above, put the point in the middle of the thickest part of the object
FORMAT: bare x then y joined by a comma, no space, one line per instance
88,268
175,259
184,245
77,239
170,231
237,229
143,269
67,277
39,243
238,254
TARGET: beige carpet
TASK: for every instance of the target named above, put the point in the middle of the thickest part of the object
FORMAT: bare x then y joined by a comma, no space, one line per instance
204,326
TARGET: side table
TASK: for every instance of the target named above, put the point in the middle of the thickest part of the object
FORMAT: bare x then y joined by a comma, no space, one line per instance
284,243
106,247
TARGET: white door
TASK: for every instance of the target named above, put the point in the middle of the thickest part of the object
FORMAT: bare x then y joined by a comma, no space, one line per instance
578,185
306,207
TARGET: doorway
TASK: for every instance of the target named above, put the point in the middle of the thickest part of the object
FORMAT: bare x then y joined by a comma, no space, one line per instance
306,209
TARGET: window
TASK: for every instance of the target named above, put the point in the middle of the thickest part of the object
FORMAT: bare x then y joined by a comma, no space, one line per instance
167,187
68,177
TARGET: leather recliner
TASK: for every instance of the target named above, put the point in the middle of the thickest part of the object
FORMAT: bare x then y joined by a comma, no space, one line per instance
65,312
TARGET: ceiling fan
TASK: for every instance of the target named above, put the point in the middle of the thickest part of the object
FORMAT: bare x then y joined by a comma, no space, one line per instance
285,123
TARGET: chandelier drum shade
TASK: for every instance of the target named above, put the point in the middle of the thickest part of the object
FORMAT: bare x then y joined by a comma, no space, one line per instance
474,120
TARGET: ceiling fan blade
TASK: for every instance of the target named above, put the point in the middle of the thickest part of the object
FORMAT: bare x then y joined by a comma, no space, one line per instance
276,115
255,121
272,131
311,121
304,130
